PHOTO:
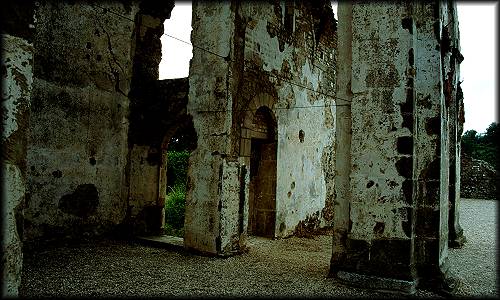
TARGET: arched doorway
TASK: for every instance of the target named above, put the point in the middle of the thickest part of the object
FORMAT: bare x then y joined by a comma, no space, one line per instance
262,187
177,146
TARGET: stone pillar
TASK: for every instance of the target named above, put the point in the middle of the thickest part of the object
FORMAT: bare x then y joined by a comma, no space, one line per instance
435,80
212,175
148,112
453,58
17,80
373,222
456,238
342,137
391,216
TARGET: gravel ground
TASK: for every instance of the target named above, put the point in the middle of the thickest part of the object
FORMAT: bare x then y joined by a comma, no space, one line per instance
293,267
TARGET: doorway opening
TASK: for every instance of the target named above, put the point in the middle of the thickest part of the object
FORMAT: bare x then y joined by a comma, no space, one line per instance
175,164
262,187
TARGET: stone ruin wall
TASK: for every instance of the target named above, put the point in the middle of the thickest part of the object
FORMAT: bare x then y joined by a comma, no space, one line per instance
282,59
17,85
80,149
77,154
256,55
99,119
157,110
398,66
162,113
98,164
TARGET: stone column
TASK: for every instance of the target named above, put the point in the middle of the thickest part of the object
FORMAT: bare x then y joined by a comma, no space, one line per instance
17,80
212,175
395,198
434,83
373,221
456,238
148,110
342,137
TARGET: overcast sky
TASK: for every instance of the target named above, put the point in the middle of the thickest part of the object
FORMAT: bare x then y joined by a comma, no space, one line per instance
478,33
478,40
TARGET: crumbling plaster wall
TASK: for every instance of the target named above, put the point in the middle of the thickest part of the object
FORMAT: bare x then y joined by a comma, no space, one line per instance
380,140
437,92
372,215
17,82
301,53
399,71
259,61
77,152
17,79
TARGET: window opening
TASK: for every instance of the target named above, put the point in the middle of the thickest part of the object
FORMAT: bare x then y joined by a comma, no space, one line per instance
176,54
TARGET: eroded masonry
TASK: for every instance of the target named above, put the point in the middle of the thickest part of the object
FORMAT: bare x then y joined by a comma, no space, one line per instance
300,124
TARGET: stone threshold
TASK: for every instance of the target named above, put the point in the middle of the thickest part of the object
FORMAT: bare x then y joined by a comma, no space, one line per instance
381,284
164,241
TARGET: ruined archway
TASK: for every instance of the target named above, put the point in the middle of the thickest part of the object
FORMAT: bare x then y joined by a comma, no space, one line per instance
157,112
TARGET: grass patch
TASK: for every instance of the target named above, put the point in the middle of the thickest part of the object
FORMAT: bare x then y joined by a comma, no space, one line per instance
175,206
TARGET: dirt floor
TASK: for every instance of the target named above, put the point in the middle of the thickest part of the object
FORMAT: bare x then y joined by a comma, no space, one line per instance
293,267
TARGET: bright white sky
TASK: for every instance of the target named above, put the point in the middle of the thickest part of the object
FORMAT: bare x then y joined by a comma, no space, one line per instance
478,32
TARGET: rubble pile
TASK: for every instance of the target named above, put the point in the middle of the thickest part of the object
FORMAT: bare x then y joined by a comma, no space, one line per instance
478,179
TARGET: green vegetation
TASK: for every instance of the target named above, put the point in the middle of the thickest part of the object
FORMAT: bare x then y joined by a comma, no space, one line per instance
179,150
177,166
174,210
483,146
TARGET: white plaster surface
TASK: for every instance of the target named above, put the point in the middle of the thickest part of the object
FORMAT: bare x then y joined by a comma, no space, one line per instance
17,58
378,78
212,85
299,168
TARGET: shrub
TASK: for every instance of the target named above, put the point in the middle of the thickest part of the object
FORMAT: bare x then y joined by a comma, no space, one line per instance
175,206
177,166
483,146
169,230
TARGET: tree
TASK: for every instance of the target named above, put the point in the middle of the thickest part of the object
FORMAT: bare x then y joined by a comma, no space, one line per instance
483,146
469,142
492,134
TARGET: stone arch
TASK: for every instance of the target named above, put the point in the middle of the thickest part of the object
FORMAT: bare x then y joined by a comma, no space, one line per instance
247,126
